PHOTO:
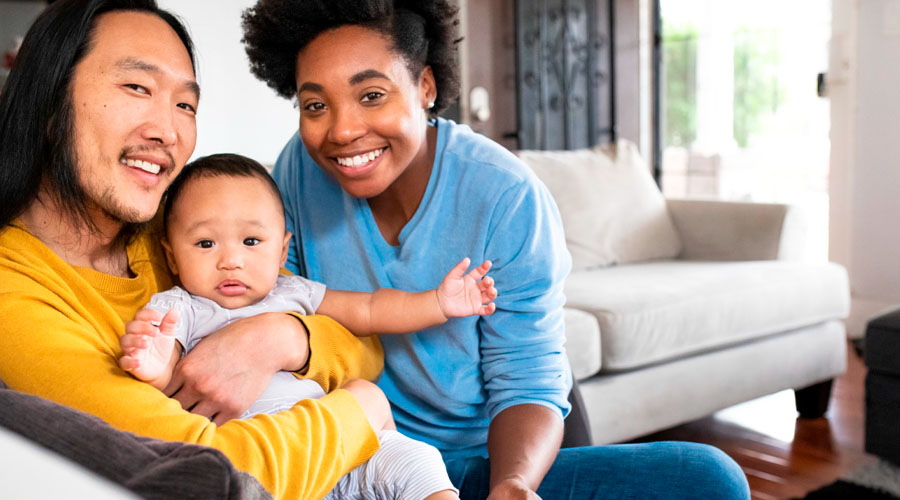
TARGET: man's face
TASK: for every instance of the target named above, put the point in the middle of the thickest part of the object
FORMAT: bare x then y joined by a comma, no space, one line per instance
134,99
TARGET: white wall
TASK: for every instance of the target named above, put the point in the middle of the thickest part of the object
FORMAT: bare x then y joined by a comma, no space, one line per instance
15,19
634,45
238,113
865,162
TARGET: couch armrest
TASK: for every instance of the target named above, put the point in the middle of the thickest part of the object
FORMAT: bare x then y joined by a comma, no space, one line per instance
737,231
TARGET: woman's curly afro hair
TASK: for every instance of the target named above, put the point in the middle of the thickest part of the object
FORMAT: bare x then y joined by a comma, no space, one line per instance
423,32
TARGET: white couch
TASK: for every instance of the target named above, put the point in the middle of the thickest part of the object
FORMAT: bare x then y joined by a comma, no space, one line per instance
676,309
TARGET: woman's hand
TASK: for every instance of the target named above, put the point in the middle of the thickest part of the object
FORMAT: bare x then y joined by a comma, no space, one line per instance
512,488
523,441
228,370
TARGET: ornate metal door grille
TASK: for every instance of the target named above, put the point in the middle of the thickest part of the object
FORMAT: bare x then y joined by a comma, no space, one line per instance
565,73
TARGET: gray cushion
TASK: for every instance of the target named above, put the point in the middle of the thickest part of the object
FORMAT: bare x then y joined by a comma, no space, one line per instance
26,467
148,467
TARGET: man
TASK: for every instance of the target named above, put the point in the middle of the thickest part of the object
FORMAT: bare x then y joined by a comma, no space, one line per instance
96,119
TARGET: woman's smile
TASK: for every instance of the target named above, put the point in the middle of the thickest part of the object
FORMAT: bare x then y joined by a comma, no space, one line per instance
359,165
359,160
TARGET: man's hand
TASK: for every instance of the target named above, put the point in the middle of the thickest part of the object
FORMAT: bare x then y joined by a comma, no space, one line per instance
149,348
461,294
512,488
228,370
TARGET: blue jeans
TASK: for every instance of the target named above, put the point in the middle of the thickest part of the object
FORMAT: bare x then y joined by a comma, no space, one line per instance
664,470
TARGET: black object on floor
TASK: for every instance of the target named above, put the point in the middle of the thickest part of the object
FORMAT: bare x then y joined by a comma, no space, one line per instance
873,480
882,355
845,490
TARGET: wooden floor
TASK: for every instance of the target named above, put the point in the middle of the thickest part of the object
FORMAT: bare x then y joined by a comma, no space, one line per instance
782,455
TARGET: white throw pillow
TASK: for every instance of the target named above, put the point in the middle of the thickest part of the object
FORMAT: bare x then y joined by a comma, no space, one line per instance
611,209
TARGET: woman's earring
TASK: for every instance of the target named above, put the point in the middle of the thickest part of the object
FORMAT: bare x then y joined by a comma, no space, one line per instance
430,104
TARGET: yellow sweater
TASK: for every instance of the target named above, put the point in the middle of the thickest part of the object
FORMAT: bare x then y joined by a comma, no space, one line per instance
59,339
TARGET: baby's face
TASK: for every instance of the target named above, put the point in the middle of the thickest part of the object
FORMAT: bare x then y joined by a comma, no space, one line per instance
226,239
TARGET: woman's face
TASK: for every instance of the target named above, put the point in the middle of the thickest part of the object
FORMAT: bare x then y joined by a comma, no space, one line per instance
363,118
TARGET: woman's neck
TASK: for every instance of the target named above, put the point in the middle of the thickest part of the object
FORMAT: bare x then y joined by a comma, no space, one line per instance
397,205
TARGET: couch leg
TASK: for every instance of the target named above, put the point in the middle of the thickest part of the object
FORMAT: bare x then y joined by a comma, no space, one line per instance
812,401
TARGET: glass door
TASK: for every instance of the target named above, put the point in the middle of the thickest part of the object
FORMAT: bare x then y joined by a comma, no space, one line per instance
741,118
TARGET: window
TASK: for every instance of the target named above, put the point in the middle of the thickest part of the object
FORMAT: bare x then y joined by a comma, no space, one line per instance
740,117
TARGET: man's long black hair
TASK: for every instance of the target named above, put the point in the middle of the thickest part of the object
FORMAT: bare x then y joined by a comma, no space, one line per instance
36,116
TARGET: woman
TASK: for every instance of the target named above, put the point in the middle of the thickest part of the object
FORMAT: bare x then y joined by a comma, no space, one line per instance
381,193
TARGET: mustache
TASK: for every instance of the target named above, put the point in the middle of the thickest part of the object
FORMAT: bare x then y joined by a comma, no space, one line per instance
129,150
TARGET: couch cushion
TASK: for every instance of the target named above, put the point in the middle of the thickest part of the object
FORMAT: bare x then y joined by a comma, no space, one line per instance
657,311
582,343
611,209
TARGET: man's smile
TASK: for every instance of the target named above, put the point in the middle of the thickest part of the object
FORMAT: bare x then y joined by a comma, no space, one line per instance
146,166
152,161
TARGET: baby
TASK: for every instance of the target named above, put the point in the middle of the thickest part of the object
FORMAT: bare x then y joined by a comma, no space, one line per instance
226,241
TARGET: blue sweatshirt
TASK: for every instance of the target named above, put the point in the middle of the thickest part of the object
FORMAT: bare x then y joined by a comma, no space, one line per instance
446,383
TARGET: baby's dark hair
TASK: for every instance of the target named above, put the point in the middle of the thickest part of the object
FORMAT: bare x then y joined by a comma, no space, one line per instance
423,32
223,164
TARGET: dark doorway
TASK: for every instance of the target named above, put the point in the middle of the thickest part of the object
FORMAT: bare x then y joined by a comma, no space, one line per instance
564,73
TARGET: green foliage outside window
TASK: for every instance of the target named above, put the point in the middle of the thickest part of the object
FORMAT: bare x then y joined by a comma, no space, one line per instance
757,93
680,63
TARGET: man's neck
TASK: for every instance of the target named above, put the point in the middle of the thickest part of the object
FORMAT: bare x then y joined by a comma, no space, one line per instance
78,244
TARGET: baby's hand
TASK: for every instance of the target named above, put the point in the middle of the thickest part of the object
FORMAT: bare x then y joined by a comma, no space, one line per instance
148,347
461,294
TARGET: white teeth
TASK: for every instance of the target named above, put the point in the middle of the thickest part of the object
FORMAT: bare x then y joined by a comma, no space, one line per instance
359,160
146,166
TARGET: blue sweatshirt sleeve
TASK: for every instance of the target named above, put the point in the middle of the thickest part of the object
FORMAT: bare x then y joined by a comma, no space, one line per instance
287,176
522,343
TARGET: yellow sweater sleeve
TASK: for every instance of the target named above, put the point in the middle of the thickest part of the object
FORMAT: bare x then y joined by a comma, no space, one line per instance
56,342
335,360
